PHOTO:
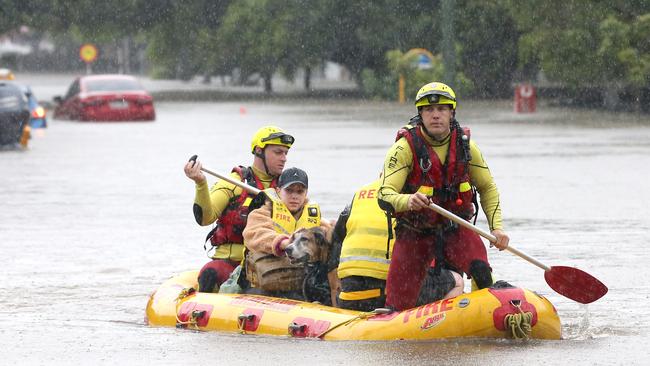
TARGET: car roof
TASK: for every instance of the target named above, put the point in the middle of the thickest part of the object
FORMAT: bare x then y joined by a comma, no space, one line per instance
23,87
10,84
14,88
108,77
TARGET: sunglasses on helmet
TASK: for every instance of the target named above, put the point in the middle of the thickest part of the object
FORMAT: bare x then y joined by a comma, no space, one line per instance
284,138
434,97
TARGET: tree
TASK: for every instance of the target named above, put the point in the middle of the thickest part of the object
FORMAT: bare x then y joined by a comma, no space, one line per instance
625,47
181,36
11,15
309,35
487,39
256,36
560,35
362,32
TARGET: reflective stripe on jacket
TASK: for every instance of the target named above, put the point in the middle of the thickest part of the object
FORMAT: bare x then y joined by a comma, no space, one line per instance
363,252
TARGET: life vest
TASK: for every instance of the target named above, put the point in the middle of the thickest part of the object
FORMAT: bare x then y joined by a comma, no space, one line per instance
285,223
448,185
227,235
271,273
363,252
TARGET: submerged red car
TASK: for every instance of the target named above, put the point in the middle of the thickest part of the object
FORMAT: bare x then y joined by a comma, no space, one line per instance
105,98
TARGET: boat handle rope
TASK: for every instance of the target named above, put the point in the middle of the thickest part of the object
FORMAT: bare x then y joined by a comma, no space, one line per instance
294,328
519,324
365,315
194,316
241,321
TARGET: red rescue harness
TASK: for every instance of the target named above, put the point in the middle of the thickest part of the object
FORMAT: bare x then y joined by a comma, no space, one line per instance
232,222
445,178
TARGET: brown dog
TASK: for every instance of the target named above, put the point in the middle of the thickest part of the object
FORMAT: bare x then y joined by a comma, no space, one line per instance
312,247
308,246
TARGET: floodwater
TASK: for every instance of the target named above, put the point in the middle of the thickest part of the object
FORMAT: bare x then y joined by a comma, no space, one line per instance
95,216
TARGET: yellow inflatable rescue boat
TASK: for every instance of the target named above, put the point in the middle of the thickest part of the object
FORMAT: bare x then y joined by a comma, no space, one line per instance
491,313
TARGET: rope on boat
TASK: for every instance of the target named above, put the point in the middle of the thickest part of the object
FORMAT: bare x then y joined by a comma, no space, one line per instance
194,315
519,324
358,317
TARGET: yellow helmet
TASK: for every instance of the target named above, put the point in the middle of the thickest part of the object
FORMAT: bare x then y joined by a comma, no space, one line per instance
270,135
435,93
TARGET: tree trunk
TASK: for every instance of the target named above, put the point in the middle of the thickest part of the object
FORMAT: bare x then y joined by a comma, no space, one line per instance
120,58
268,86
126,51
611,100
307,78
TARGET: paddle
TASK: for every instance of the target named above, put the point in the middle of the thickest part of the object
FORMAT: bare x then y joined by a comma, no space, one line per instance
228,179
571,282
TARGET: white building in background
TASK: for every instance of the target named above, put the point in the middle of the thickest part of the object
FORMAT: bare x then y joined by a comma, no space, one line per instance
8,47
335,72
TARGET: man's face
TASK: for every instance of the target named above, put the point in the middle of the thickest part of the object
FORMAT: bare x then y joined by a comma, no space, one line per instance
436,118
276,157
294,197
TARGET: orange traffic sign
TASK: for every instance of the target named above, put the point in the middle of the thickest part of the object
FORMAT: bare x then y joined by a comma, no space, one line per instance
88,53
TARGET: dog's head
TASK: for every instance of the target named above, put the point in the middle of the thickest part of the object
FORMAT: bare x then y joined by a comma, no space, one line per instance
308,245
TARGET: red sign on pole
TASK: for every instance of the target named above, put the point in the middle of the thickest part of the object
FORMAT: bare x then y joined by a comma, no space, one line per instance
525,98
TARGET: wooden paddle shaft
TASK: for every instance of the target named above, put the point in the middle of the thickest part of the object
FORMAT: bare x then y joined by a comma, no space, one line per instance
466,224
228,179
460,221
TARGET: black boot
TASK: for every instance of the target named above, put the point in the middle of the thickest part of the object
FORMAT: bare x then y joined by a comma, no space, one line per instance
501,284
480,272
207,280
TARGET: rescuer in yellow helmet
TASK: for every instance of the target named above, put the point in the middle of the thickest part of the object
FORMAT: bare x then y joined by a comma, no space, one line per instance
434,160
227,205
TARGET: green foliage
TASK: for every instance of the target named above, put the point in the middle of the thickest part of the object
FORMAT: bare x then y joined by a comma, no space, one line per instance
363,31
305,25
386,85
573,42
180,40
488,47
581,43
566,60
39,14
256,35
414,77
379,86
10,16
624,48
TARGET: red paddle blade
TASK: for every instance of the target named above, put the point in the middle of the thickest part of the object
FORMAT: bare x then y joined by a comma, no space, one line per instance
575,284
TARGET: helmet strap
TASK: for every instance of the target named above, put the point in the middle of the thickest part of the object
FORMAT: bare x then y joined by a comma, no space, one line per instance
262,156
454,122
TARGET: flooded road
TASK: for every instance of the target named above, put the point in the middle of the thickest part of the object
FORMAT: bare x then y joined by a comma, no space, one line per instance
95,216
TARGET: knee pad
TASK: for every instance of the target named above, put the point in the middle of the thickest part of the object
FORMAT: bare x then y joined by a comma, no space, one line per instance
207,280
480,272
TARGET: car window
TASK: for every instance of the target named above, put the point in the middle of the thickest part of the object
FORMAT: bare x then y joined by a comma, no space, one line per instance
74,89
111,85
11,98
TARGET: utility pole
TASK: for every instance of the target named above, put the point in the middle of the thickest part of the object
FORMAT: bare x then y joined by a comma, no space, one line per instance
447,16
